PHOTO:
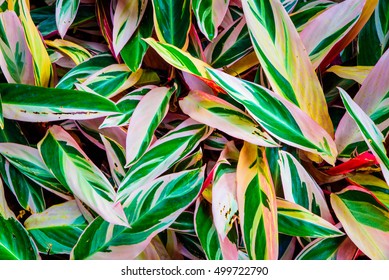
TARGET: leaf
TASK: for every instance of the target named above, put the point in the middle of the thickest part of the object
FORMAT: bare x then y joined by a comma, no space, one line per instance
356,73
364,220
15,243
172,19
127,16
76,52
370,132
295,220
307,11
184,223
70,165
299,187
147,116
65,13
209,15
116,156
374,105
57,229
206,231
163,154
257,204
284,60
151,208
282,119
322,33
43,71
219,114
38,104
15,56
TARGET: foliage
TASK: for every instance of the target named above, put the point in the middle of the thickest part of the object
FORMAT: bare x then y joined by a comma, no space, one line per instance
177,129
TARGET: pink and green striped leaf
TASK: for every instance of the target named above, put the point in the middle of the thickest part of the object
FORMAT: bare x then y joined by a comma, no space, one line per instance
128,14
209,15
12,230
56,230
75,52
43,70
112,80
279,117
15,56
116,156
230,45
284,59
151,208
289,5
220,114
126,106
335,248
71,166
38,104
299,187
295,220
65,13
184,223
172,20
365,220
323,32
374,105
370,132
257,204
148,114
163,154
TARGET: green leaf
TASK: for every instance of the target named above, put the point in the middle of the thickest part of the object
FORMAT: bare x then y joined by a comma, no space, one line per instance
57,229
65,13
116,156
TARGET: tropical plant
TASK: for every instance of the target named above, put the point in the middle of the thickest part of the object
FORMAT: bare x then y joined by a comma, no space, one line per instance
177,129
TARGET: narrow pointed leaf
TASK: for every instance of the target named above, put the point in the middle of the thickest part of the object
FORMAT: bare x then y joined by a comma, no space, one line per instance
356,73
300,188
295,220
219,114
209,15
147,116
38,104
364,220
151,208
15,56
172,19
163,154
370,132
307,11
57,229
128,14
70,165
282,119
257,204
65,13
116,156
285,60
75,52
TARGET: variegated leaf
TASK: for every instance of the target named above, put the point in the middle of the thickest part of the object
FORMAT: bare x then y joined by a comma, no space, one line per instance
295,220
38,104
289,5
209,15
163,154
220,114
356,73
112,80
257,204
323,32
282,119
65,13
299,187
128,14
230,45
284,59
184,223
116,156
172,19
370,132
147,116
151,208
43,70
15,56
57,229
374,105
71,166
365,220
75,52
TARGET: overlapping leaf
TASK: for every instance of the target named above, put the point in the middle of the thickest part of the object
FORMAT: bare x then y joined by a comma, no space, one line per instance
75,52
65,13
